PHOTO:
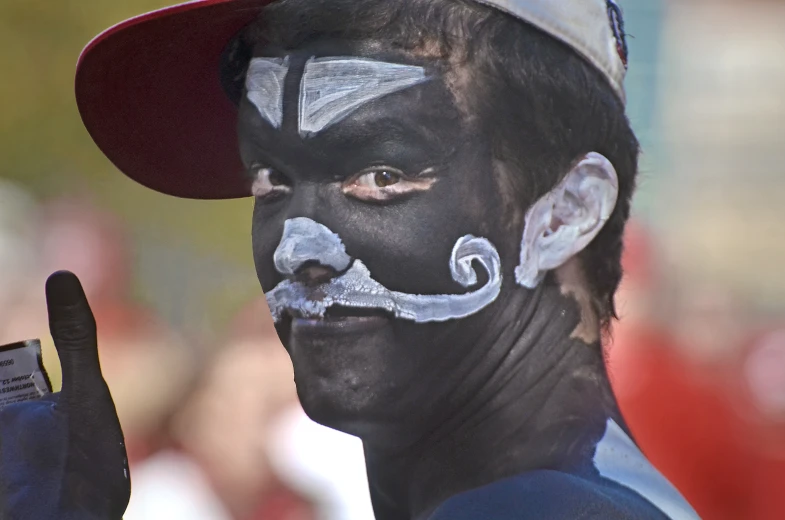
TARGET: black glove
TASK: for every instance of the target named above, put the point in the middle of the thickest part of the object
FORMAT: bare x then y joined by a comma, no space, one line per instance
63,457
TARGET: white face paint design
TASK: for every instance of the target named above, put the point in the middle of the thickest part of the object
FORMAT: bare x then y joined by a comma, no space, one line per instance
307,241
566,219
264,84
332,88
617,458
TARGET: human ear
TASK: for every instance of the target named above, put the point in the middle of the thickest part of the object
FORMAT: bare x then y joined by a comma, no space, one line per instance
565,220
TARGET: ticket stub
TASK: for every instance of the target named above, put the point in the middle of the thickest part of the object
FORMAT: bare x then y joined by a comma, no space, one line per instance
22,373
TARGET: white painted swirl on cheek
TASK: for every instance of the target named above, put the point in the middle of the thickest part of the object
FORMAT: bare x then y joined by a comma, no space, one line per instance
357,289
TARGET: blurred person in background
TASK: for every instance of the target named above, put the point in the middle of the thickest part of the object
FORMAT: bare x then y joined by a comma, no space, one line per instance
324,464
763,380
144,361
676,363
641,326
218,467
319,463
17,252
304,460
761,403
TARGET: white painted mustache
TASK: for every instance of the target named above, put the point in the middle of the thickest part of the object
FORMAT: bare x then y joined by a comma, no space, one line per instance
307,241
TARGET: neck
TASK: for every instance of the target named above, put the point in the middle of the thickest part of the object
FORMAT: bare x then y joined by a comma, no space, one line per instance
547,396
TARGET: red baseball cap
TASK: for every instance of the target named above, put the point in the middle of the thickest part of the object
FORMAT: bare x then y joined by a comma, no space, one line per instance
150,89
150,94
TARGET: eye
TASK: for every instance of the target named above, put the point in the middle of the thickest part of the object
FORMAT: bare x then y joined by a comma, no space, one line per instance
267,181
382,183
381,178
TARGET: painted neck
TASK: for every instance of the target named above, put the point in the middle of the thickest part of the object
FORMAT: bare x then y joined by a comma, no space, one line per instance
546,397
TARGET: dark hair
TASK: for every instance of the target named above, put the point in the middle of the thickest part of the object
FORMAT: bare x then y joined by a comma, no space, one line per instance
562,106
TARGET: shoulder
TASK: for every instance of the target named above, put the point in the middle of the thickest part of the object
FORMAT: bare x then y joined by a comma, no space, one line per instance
546,495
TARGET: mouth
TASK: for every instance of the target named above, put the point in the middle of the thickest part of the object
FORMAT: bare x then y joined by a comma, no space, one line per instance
339,319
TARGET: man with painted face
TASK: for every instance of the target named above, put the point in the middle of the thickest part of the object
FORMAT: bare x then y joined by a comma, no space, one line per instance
441,189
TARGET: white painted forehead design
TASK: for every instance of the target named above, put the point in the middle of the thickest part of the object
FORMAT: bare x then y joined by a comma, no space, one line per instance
332,88
264,84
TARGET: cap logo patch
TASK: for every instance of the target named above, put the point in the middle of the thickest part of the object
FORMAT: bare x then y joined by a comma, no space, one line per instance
617,26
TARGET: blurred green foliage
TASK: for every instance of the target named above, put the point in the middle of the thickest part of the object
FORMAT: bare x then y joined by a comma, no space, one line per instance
44,146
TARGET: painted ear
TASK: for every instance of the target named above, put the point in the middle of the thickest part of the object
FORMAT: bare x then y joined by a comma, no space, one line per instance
565,220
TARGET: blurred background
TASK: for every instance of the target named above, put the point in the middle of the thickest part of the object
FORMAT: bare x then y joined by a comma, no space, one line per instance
214,431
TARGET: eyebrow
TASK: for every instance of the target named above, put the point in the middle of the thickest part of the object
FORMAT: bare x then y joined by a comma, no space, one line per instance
332,88
382,129
385,138
265,86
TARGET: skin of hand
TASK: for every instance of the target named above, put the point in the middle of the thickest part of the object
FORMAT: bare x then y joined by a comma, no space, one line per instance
63,457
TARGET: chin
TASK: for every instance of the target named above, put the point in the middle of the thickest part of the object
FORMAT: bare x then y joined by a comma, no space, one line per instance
345,371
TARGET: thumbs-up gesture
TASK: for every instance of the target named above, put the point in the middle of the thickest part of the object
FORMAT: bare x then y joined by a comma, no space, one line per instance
63,457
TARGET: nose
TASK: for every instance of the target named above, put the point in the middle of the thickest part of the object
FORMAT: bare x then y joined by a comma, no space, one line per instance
314,274
310,252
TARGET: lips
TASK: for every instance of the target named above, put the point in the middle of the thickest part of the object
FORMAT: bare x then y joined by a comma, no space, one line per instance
339,319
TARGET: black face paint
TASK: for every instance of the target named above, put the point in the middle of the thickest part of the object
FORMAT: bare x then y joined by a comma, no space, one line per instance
366,374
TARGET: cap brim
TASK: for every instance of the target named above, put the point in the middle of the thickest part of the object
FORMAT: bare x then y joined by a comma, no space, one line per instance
149,92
